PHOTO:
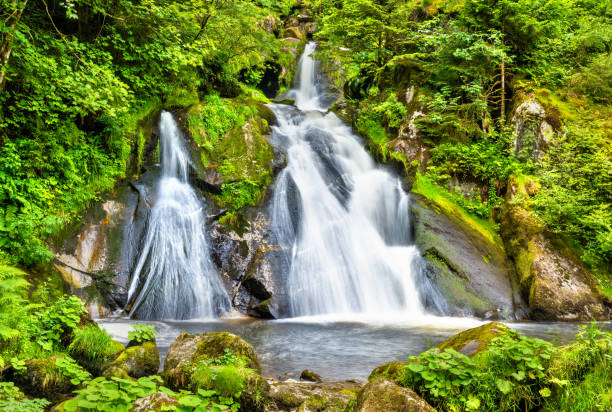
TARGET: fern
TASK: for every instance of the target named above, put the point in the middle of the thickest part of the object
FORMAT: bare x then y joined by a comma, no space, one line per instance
13,288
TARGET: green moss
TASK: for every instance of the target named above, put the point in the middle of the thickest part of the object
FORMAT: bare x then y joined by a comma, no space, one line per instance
444,200
135,361
473,341
392,371
215,344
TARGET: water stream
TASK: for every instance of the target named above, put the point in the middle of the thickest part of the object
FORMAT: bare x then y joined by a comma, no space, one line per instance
344,220
175,277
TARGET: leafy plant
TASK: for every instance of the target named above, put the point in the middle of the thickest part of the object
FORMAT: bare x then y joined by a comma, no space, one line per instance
72,370
59,318
12,400
142,333
116,394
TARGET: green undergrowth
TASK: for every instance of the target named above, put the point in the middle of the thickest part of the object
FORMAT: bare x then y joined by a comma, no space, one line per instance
449,203
518,373
93,344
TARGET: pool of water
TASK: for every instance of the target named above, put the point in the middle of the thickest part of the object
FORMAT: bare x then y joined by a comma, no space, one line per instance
337,349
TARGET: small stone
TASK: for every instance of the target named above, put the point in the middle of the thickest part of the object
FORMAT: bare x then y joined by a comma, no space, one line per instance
310,376
154,402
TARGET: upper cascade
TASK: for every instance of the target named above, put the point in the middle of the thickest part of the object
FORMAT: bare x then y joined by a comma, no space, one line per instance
344,220
175,277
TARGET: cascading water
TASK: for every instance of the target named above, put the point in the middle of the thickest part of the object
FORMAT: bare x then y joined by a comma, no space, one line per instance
344,221
175,277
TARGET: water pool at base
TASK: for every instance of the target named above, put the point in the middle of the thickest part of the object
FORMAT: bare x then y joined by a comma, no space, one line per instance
337,350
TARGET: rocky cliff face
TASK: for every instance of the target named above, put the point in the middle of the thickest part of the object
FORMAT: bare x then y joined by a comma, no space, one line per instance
471,271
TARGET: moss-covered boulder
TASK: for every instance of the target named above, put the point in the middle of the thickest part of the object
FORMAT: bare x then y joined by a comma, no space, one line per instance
473,341
135,362
188,349
466,261
329,396
154,402
381,395
552,279
391,371
42,378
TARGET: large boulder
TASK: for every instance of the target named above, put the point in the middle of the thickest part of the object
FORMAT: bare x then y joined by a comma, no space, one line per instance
251,264
136,362
188,349
300,396
473,341
552,279
532,132
381,395
468,265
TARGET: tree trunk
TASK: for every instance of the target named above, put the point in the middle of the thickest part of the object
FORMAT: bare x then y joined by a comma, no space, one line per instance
7,44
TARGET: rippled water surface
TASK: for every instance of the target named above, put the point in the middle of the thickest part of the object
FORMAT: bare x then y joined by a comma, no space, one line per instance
337,350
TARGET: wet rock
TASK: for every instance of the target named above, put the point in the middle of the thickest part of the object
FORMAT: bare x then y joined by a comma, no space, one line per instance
44,379
532,133
136,362
391,371
251,264
329,396
310,376
381,395
473,341
470,270
154,402
552,279
188,349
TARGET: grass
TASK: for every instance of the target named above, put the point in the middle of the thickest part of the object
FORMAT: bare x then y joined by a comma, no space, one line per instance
92,343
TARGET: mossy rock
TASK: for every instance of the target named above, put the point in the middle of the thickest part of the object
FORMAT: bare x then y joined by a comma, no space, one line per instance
135,362
214,345
381,395
188,349
474,341
392,371
44,379
301,396
294,32
156,402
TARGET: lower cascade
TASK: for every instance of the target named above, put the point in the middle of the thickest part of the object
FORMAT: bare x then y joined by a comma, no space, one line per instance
343,220
174,277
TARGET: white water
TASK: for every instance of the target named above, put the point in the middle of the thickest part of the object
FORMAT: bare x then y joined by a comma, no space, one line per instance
175,277
344,220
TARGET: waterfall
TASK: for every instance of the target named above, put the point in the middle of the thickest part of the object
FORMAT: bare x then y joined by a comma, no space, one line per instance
343,220
175,277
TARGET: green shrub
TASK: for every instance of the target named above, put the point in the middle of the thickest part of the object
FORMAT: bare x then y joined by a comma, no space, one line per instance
142,333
